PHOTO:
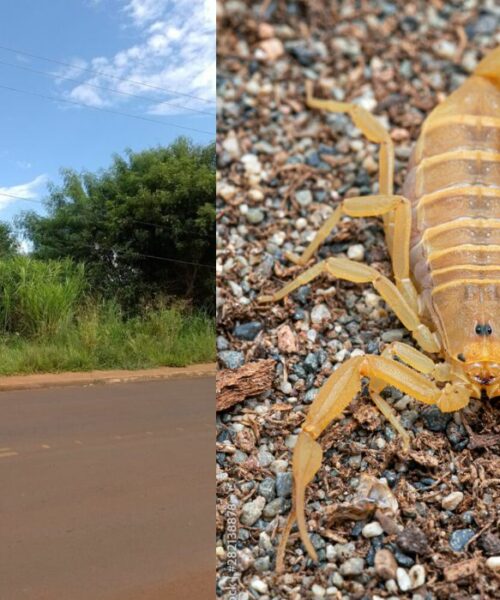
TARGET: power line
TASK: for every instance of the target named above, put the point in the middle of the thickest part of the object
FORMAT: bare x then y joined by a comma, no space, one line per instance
101,87
103,74
99,108
163,258
138,254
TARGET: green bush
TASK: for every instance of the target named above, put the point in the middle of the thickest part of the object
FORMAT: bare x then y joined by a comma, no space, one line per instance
50,323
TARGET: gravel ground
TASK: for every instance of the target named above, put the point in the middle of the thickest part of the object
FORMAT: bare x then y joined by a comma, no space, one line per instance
282,169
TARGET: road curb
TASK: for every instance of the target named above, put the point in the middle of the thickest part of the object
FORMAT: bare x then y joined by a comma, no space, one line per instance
49,380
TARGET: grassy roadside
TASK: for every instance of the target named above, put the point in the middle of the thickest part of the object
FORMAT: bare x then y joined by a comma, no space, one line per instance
102,340
49,324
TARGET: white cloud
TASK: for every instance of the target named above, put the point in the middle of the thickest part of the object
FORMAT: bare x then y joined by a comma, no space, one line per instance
87,95
143,11
23,164
29,190
175,52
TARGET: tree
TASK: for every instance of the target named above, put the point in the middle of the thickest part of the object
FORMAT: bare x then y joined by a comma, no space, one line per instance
143,227
8,243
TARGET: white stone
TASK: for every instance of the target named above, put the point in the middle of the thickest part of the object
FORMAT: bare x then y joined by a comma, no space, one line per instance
231,145
451,501
256,195
372,529
278,238
493,563
417,576
403,579
318,591
301,223
304,197
371,299
279,466
226,191
356,252
341,354
259,586
320,313
236,289
357,352
251,163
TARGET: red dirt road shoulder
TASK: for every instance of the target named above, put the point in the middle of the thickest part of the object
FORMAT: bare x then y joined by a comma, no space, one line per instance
48,380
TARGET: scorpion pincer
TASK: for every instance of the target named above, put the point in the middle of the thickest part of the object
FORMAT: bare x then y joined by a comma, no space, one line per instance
443,236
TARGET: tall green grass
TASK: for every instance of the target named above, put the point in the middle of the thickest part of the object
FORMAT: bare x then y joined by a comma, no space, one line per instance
49,323
39,297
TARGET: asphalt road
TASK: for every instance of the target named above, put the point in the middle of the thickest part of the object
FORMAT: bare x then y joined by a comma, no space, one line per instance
107,492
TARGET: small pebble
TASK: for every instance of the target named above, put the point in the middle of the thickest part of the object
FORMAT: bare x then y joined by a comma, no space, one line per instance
255,216
459,538
451,501
403,579
273,508
251,511
267,488
412,539
247,331
417,576
272,49
318,591
493,563
385,564
356,252
231,359
434,419
304,197
284,484
320,313
372,529
352,566
259,586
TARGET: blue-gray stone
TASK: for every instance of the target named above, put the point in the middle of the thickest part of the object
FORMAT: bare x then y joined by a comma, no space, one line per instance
434,419
231,359
247,331
311,363
222,343
459,538
284,484
267,489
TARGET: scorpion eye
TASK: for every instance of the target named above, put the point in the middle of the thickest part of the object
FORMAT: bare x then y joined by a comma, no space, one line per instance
461,357
484,329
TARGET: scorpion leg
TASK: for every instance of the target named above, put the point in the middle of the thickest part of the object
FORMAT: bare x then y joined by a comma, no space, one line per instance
412,357
332,399
370,127
397,220
349,270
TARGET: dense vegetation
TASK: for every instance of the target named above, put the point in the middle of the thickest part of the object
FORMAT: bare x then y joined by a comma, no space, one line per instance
124,222
116,277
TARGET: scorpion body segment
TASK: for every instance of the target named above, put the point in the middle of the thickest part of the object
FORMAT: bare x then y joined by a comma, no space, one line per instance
443,236
453,185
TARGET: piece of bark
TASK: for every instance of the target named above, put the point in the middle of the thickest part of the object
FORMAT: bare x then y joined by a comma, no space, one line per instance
250,380
460,570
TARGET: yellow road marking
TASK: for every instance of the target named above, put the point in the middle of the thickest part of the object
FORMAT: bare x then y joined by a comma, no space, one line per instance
7,454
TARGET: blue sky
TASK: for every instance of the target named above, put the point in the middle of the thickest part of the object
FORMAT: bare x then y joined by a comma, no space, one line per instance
167,45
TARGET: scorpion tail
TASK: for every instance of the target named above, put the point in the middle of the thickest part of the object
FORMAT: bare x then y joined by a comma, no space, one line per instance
489,67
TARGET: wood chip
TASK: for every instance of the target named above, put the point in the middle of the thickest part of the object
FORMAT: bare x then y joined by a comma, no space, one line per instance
250,380
460,570
424,459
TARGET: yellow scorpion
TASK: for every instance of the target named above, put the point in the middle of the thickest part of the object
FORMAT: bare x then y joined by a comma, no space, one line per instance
443,235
